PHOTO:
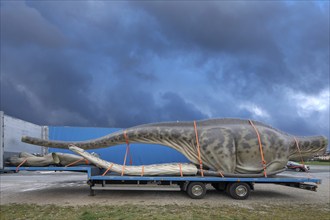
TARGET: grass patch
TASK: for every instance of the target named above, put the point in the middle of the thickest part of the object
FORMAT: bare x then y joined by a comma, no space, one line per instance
91,212
325,163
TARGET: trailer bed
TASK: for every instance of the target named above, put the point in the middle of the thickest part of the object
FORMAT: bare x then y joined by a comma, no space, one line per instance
195,186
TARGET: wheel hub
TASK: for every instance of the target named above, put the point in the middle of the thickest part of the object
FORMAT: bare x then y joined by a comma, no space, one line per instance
197,190
241,190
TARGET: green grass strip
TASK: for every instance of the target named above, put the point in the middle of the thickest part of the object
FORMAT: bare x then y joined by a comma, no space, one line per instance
325,163
91,212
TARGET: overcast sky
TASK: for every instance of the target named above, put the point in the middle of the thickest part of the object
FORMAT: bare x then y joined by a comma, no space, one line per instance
120,64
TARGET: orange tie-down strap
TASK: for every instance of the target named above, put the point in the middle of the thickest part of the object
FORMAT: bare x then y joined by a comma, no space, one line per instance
109,168
180,167
302,160
299,151
77,161
260,147
23,162
198,150
126,153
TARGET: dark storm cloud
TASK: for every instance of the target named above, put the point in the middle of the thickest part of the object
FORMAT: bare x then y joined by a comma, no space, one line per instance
183,110
127,104
21,25
218,26
47,83
120,64
36,79
271,42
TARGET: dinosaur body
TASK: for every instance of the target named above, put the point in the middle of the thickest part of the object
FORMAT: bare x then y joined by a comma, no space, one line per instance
226,145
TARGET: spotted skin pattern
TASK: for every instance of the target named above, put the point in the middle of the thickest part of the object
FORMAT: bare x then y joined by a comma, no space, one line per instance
226,145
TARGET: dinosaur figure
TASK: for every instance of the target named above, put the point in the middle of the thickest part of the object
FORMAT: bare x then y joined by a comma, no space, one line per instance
230,146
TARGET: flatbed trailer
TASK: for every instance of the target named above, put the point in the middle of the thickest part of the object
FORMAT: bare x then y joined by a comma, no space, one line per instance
194,186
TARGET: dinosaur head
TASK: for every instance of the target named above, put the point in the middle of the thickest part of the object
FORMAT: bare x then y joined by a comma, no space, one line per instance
309,147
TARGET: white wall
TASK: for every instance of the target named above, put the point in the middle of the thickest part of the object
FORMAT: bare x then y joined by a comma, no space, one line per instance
11,132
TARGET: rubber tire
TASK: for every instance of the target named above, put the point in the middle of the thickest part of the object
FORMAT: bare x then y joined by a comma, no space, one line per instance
227,190
221,186
297,169
193,186
236,186
90,183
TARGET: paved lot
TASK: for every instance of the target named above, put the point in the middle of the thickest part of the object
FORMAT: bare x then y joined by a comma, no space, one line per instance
66,188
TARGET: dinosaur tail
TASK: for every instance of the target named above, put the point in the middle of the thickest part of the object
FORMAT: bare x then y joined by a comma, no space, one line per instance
148,170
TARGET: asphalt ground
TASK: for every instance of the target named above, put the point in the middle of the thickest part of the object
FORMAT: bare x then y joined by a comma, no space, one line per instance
69,188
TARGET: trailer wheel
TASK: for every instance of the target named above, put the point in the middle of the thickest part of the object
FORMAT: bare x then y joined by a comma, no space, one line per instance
227,189
196,190
239,191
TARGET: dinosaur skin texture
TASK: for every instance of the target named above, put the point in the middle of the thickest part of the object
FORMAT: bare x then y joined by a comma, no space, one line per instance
227,145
